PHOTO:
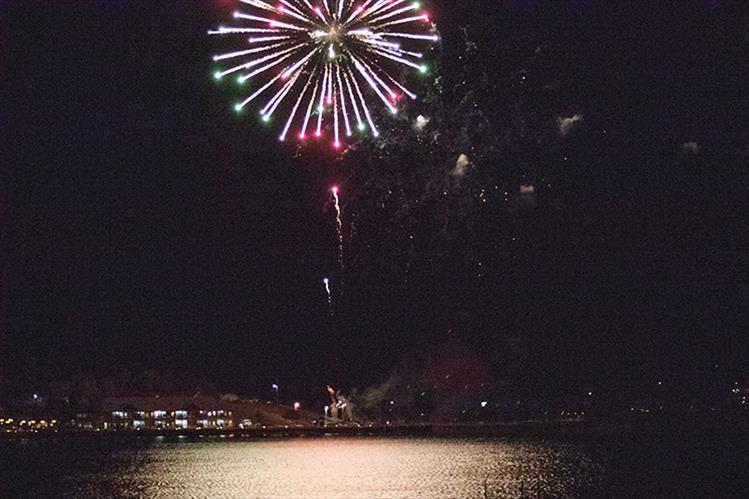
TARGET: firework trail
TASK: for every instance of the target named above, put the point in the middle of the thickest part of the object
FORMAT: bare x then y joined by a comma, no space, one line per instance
326,283
326,57
339,224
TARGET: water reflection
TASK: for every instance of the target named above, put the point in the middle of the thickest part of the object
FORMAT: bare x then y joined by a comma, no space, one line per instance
349,468
647,465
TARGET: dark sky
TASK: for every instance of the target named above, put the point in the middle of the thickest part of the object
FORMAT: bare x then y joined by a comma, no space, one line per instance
144,225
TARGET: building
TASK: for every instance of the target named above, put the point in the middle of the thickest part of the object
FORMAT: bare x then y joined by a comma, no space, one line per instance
199,412
167,413
27,424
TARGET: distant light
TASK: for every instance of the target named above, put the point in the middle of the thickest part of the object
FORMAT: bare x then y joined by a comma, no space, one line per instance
484,403
274,386
590,394
296,406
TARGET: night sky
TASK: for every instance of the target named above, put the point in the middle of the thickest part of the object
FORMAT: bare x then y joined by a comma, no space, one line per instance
147,226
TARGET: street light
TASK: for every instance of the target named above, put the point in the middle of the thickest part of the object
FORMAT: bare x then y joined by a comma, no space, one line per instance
275,387
296,406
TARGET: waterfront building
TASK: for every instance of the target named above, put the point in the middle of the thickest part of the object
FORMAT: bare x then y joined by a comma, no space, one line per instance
167,413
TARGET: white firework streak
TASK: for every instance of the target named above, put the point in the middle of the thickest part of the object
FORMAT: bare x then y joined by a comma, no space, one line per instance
343,101
339,226
326,55
282,137
359,122
363,103
321,106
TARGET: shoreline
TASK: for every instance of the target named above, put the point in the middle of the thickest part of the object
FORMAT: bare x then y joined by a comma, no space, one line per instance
579,428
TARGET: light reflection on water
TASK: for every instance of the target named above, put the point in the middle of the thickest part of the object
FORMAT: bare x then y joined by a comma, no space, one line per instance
347,468
626,465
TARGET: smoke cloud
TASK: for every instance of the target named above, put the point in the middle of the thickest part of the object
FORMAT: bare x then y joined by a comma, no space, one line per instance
461,166
690,148
567,124
421,123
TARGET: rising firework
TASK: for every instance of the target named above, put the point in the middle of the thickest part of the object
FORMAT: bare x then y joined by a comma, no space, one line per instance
339,223
326,283
328,59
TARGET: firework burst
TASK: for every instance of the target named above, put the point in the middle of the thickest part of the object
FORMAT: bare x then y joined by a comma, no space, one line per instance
326,61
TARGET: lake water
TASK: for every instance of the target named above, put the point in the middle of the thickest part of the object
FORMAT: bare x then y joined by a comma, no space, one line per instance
375,467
